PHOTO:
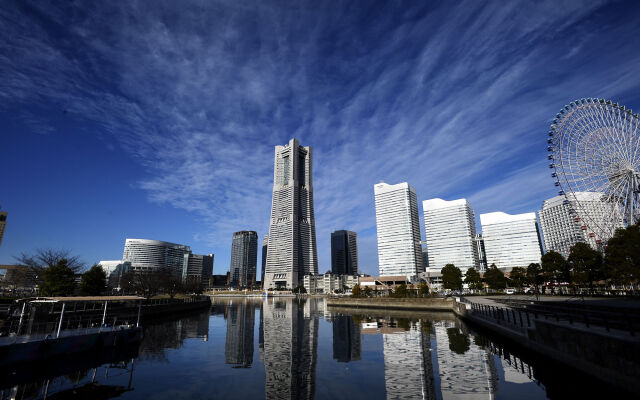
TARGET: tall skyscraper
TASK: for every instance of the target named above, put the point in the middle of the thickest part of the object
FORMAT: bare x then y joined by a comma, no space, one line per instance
238,349
399,248
511,240
450,228
265,243
150,255
207,270
3,224
244,257
561,229
291,252
344,253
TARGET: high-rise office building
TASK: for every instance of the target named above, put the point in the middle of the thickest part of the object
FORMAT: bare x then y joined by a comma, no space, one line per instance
3,224
511,240
151,255
207,271
238,349
344,253
265,243
346,339
398,229
291,252
450,229
199,269
244,257
561,229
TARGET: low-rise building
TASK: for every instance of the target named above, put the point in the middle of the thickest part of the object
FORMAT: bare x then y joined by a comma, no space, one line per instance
329,283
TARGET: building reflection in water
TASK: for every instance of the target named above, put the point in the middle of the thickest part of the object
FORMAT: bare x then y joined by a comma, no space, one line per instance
290,348
162,335
239,340
346,339
408,371
467,371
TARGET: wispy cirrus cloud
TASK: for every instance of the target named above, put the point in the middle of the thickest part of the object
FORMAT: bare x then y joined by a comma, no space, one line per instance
453,98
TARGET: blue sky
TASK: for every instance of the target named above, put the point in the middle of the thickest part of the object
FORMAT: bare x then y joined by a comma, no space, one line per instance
159,119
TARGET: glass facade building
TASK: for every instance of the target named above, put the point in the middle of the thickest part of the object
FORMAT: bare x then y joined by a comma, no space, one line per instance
344,253
244,258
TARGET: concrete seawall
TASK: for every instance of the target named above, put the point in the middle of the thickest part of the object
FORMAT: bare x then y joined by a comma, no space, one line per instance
607,355
388,303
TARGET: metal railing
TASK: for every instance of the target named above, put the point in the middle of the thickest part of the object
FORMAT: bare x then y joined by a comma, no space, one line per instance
520,317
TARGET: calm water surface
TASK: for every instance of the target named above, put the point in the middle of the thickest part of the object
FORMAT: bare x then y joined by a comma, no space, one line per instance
289,349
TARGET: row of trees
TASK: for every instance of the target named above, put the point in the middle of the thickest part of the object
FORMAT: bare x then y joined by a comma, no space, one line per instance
400,291
452,278
584,267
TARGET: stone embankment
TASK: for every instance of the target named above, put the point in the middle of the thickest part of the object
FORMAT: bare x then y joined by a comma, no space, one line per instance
388,303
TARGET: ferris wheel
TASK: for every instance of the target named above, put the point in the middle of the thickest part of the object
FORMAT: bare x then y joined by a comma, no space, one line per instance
594,148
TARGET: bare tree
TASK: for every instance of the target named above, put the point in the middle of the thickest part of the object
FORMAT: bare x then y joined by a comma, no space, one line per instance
45,258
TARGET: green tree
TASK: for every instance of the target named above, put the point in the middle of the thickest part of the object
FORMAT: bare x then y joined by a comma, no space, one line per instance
300,290
57,280
622,258
401,291
423,289
495,278
94,281
356,292
518,277
473,279
555,267
451,277
367,292
534,275
586,265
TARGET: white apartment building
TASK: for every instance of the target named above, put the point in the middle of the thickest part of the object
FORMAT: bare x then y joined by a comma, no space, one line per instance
329,283
511,240
398,230
450,231
562,226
